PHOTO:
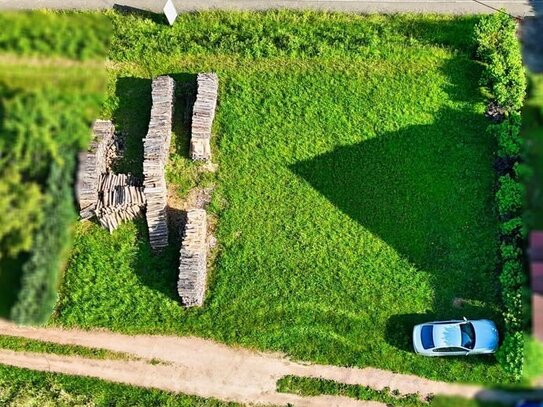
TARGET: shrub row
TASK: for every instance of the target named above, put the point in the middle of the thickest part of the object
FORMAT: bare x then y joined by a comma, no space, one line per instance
499,49
504,78
41,131
41,274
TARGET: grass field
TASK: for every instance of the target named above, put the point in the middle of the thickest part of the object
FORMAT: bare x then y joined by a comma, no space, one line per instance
354,190
21,387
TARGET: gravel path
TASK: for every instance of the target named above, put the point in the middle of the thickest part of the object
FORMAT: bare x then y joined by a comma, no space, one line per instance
205,368
516,7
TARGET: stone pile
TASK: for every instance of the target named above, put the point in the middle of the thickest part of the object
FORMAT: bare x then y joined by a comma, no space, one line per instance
121,198
92,164
193,259
203,113
155,154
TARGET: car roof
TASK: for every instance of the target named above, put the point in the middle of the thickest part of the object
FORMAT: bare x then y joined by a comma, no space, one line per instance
447,335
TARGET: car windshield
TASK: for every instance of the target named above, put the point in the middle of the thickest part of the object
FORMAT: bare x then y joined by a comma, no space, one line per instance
427,336
468,335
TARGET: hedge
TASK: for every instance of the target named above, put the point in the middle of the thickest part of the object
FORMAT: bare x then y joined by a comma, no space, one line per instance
41,274
504,78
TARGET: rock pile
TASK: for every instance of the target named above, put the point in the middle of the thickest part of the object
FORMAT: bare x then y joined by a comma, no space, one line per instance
202,116
121,198
155,154
193,259
92,164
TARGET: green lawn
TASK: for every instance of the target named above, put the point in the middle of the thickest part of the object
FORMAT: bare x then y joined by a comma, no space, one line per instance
354,191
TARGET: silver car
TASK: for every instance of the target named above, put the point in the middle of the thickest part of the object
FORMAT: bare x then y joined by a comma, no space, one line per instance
455,338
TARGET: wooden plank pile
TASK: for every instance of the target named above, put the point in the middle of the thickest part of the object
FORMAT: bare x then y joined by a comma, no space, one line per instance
121,198
193,259
203,113
92,164
155,154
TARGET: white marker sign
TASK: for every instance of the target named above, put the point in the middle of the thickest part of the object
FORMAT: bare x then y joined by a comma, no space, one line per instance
170,12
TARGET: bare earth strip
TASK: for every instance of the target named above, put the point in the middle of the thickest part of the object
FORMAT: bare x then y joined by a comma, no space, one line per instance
204,368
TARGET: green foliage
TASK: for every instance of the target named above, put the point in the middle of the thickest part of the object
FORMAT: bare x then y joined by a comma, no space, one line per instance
532,118
47,33
499,49
533,358
510,251
328,166
307,386
510,196
514,227
513,275
41,274
20,213
22,387
507,134
511,354
41,125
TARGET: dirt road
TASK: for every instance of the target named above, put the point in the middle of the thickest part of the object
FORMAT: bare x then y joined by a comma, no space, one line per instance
201,367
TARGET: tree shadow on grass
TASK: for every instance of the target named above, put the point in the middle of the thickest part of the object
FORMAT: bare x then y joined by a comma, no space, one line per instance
131,120
424,190
157,270
10,282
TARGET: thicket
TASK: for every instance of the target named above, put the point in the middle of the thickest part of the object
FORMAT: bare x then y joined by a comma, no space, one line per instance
65,34
41,132
504,77
41,274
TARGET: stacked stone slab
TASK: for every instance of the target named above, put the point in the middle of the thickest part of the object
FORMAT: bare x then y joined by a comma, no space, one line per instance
92,164
193,259
155,154
121,198
203,114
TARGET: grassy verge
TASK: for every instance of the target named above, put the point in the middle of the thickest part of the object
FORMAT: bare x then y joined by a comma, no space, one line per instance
355,188
20,387
305,386
31,345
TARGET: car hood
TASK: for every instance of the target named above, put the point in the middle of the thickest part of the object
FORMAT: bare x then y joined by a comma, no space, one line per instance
486,334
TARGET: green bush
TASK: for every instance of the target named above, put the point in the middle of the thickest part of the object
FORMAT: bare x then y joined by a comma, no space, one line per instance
499,49
41,274
20,213
510,251
511,354
66,34
514,228
513,274
510,196
503,74
507,134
